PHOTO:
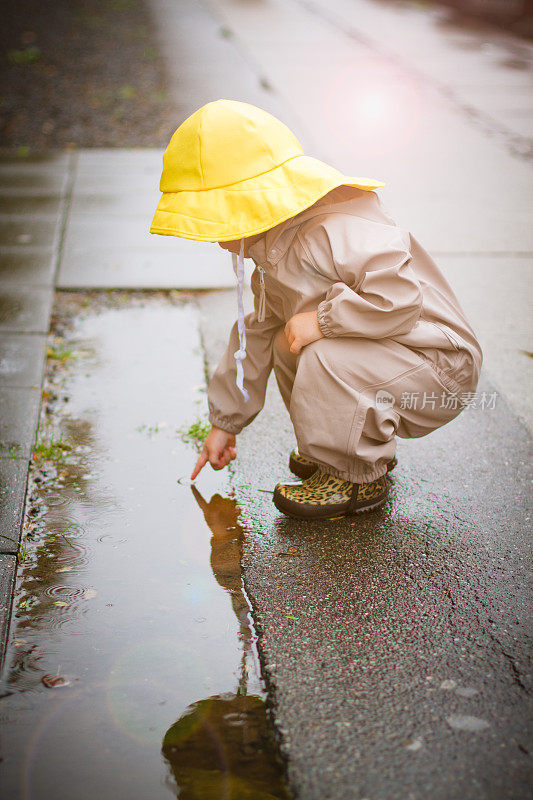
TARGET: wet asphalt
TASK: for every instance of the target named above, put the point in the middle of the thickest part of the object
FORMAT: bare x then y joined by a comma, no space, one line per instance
397,643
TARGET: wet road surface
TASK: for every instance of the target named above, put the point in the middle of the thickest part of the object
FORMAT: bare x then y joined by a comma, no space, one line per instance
397,644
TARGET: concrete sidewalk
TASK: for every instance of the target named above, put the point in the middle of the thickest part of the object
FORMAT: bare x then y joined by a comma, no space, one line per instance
32,202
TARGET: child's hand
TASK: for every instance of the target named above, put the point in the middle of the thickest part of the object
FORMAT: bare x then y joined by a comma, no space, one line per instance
302,329
219,449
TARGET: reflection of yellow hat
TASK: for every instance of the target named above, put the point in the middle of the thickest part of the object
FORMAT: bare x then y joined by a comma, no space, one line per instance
231,170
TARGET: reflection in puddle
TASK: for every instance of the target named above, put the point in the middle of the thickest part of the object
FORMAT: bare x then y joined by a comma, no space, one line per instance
222,516
133,668
221,747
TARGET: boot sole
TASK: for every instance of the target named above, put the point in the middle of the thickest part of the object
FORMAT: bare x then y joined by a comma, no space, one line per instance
300,513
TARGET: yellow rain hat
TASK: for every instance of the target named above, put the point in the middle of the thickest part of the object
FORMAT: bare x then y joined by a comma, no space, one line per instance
232,170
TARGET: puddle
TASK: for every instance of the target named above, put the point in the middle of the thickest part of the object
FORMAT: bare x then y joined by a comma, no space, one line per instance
132,668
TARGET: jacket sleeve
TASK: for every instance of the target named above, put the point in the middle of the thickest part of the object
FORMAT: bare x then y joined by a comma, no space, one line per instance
374,293
227,407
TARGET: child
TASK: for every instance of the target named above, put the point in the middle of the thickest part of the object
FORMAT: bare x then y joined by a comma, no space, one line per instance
365,336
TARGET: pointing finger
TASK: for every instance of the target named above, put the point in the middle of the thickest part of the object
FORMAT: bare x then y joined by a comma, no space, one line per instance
200,464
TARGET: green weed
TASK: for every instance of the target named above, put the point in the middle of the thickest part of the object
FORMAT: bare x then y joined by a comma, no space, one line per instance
196,433
14,450
60,353
151,429
27,56
23,548
127,93
62,534
51,449
150,53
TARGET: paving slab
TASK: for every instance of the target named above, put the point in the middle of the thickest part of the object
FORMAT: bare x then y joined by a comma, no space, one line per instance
33,266
193,80
396,643
18,421
21,359
36,175
107,242
36,163
224,69
134,160
25,309
23,204
123,172
118,251
13,477
27,230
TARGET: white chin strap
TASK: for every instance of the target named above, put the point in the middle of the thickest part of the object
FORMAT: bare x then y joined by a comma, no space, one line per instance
240,354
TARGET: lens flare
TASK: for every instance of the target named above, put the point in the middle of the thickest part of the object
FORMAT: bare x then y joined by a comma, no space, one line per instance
375,107
147,674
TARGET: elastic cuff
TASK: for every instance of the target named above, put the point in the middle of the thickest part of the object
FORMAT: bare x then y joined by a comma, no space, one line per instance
223,423
322,321
363,474
355,476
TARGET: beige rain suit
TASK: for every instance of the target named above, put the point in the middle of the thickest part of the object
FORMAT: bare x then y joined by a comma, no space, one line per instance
398,355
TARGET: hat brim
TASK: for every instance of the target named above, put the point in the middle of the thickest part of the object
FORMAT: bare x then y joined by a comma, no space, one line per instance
251,206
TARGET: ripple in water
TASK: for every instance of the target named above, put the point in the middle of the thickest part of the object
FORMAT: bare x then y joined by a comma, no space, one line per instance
65,593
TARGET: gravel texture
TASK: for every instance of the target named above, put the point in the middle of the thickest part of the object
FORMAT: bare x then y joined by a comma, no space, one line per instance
81,73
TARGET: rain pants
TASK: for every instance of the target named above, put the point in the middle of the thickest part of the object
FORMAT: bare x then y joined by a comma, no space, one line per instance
398,357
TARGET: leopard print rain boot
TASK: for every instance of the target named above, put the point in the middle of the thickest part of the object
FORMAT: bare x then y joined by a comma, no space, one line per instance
324,496
303,468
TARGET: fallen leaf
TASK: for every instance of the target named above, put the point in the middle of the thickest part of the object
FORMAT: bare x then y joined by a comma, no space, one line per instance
54,681
89,594
59,603
64,569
